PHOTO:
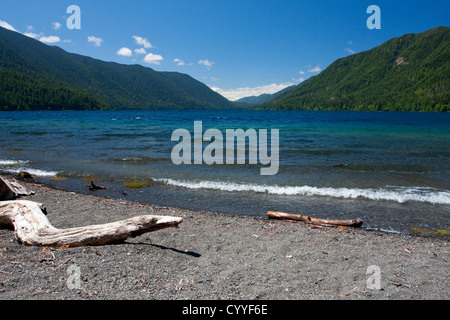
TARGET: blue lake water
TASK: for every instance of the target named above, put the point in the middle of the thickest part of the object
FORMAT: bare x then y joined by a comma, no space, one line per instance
391,169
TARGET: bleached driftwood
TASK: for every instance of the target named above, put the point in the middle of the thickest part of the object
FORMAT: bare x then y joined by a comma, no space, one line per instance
11,189
307,219
33,228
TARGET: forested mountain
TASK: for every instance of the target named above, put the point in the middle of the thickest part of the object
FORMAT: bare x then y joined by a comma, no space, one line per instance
408,73
34,76
265,97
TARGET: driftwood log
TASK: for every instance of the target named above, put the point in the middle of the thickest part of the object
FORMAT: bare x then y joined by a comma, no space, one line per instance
93,186
11,189
33,228
307,219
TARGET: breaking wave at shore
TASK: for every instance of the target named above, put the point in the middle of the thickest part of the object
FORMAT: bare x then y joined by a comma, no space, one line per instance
392,193
16,166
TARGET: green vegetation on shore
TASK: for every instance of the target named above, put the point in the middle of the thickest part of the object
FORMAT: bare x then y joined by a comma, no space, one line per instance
408,73
20,91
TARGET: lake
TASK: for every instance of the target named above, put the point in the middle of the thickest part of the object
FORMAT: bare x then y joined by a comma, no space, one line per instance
390,169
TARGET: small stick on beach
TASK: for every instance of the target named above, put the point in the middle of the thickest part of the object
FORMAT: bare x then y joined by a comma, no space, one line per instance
93,186
307,219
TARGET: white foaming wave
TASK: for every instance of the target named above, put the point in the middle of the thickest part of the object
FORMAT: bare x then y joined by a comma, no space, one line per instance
35,172
398,194
16,166
11,162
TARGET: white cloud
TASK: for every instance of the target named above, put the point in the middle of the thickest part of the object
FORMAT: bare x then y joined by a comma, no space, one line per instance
178,62
153,58
301,79
315,69
349,50
208,64
6,25
143,42
125,52
96,41
56,25
32,35
50,39
140,51
301,72
236,94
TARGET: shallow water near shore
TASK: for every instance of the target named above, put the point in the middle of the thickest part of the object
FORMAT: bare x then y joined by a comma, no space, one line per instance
390,169
411,217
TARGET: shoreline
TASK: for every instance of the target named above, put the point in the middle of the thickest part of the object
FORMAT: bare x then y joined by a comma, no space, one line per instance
218,257
403,218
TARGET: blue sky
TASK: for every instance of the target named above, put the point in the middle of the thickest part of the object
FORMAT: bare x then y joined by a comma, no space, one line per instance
237,47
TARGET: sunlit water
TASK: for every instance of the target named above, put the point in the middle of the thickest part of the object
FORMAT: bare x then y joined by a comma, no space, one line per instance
391,169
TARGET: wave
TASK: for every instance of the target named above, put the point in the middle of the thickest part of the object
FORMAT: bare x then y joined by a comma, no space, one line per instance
30,133
35,172
138,160
392,193
12,162
16,166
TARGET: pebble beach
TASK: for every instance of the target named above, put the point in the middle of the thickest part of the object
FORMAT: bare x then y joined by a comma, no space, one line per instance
218,257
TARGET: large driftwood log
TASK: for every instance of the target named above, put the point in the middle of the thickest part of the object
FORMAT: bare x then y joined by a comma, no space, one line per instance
326,222
33,228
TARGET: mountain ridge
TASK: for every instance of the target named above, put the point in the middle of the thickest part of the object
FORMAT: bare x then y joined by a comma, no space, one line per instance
29,70
407,73
265,97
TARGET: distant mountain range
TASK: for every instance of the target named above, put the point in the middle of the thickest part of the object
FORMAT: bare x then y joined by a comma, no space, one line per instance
408,73
35,76
263,98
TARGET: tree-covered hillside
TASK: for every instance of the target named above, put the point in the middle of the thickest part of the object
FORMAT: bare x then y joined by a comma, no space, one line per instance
25,87
408,73
37,76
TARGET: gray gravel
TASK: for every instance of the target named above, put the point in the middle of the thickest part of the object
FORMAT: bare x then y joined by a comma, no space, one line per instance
218,257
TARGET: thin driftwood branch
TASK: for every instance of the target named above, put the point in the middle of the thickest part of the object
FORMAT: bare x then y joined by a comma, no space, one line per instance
93,186
307,219
33,228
